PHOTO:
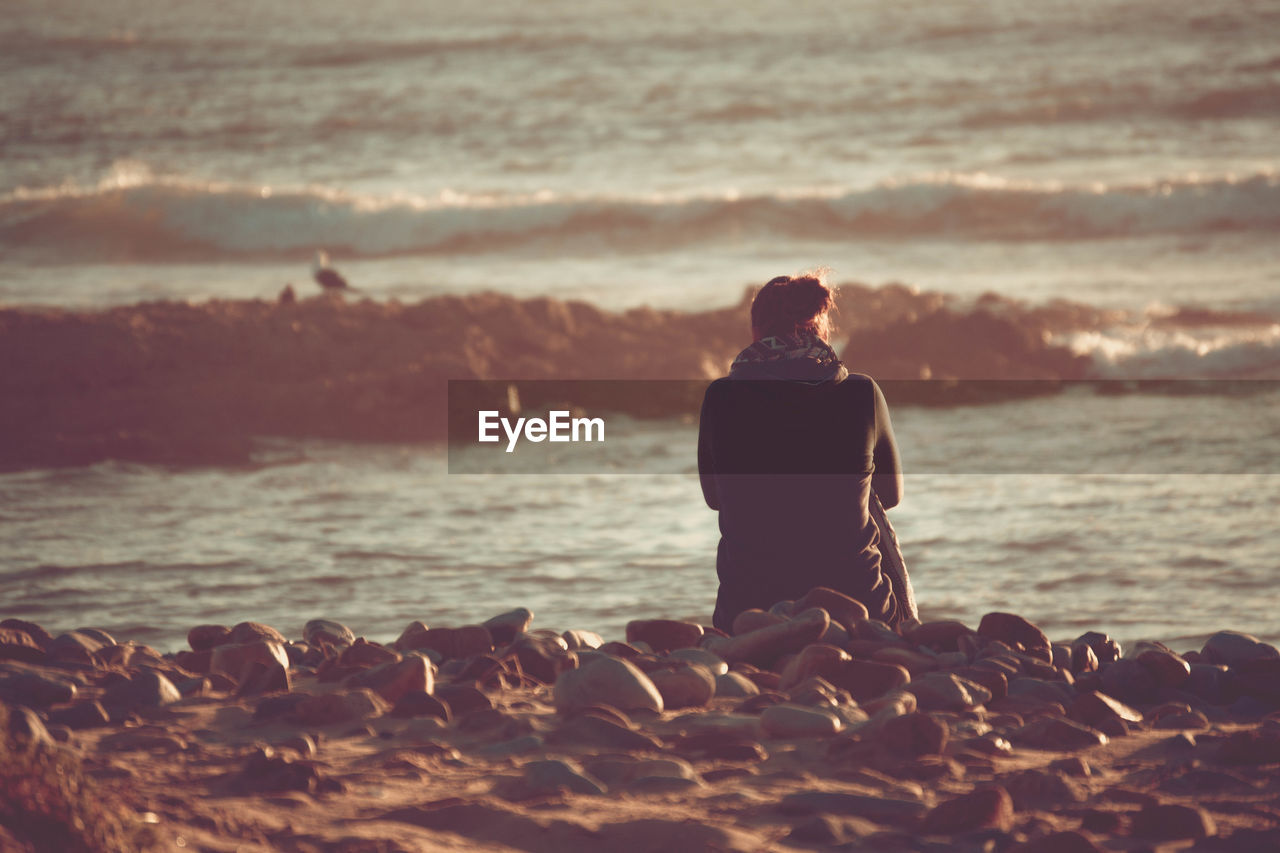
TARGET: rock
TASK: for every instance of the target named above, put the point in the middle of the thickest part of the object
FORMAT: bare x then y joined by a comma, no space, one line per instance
1056,692
202,638
39,635
813,659
1105,649
576,640
1083,659
544,659
914,662
325,631
1052,733
1171,821
735,685
994,680
941,636
363,653
606,681
913,734
842,609
765,645
587,730
663,635
552,775
19,645
394,679
505,627
690,686
1256,746
257,679
796,721
1169,669
1258,678
231,659
1129,681
146,689
1013,630
701,657
867,680
1066,841
1093,709
75,646
1183,720
344,706
985,808
728,745
25,729
891,810
36,690
255,632
945,691
1234,647
419,703
753,620
463,699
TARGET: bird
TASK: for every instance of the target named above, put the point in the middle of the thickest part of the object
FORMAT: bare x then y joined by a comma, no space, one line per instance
325,275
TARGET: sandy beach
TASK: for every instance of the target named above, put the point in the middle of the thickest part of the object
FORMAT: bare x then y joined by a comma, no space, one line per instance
810,728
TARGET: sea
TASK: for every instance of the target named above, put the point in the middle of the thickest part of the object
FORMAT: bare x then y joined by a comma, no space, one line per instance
1120,154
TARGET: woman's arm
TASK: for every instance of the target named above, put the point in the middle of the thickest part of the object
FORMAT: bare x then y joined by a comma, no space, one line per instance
887,479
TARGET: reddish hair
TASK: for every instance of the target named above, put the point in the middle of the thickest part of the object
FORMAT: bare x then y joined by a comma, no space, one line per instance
791,305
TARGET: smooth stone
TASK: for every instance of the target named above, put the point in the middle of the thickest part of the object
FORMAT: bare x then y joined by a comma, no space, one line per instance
328,632
1169,669
796,721
591,731
75,646
555,774
1233,647
1129,681
715,665
146,689
1170,821
1035,789
765,645
946,691
254,632
1065,841
202,638
1258,678
735,685
419,703
522,745
1105,649
257,679
606,681
1187,720
623,772
1052,733
394,679
913,734
36,690
867,680
890,810
37,633
690,686
363,653
843,609
985,808
463,699
753,620
943,635
914,662
231,659
1083,659
505,627
873,630
100,636
994,680
25,729
1011,629
813,659
1057,692
343,706
1093,709
663,635
16,644
577,639
543,658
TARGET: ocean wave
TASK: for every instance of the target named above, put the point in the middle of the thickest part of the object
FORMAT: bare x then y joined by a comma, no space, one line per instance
137,216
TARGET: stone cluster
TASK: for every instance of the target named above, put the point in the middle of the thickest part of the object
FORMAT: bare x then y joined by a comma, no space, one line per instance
929,736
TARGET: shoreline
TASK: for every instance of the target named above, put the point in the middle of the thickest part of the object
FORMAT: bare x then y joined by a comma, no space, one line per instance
810,727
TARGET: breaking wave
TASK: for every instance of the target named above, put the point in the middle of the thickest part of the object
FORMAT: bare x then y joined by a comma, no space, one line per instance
136,216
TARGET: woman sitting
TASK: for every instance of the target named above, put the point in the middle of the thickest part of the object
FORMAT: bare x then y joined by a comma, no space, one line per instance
797,454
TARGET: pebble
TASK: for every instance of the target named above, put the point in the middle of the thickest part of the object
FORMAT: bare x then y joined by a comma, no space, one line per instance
395,679
1168,668
842,609
753,620
420,703
702,657
591,731
82,715
1172,821
36,690
866,680
1013,630
342,706
735,685
257,679
231,659
505,627
607,681
26,728
913,734
891,810
253,632
663,635
946,691
146,689
1052,733
1233,647
576,640
985,808
554,774
690,686
813,659
202,638
787,720
765,645
326,631
16,644
1129,681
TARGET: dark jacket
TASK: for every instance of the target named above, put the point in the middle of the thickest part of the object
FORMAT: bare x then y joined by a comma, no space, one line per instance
790,465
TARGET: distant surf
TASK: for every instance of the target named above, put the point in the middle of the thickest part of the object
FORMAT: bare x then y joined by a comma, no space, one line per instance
136,216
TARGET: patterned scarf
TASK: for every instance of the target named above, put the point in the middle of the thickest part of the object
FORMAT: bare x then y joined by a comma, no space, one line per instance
803,357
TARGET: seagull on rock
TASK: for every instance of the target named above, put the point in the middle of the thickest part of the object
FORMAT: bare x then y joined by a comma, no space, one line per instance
325,275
